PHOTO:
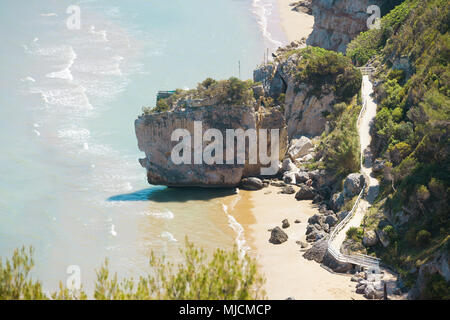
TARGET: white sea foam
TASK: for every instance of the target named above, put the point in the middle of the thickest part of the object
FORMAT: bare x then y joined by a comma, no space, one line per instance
238,229
72,97
28,79
109,66
263,9
51,14
79,135
113,231
102,33
168,236
66,72
161,215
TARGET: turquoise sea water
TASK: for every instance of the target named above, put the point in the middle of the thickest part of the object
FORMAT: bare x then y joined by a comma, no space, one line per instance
70,182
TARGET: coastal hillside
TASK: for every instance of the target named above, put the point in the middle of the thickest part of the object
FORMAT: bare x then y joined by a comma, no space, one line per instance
411,52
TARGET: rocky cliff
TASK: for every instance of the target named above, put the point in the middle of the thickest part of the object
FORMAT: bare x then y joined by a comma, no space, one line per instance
154,132
311,81
337,22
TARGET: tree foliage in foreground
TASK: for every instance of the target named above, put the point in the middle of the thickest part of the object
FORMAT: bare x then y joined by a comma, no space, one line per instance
223,276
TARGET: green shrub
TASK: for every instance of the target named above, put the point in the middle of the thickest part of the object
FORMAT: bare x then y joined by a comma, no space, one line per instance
355,234
15,279
319,67
437,288
340,148
161,106
397,114
224,92
224,276
423,237
390,232
422,193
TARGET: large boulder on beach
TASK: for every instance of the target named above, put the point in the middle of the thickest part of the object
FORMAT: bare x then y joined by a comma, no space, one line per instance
301,177
317,251
374,290
278,236
331,220
287,190
335,265
251,184
305,193
315,219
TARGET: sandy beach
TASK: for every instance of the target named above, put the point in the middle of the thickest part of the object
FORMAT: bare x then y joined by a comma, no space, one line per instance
296,25
287,273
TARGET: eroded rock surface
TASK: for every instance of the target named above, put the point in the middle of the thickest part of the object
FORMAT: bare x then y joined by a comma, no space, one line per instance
337,22
154,132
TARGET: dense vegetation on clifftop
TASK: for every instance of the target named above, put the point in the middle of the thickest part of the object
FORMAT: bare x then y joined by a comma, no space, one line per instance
411,52
209,92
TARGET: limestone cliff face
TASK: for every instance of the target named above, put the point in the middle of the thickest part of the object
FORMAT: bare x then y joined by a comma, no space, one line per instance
305,106
337,22
154,138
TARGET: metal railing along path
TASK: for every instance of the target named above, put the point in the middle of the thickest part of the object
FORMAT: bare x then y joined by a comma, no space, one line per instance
357,259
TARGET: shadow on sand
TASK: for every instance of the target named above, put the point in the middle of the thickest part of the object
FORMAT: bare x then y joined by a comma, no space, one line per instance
165,194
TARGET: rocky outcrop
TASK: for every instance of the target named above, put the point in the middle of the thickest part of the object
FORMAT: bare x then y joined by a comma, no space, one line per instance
302,6
317,251
299,148
335,265
305,193
439,264
353,185
370,238
337,22
154,132
304,108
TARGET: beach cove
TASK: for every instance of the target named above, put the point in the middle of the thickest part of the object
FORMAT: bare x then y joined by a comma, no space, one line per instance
288,274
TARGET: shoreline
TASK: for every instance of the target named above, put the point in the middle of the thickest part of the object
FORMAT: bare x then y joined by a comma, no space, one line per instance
287,272
296,25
